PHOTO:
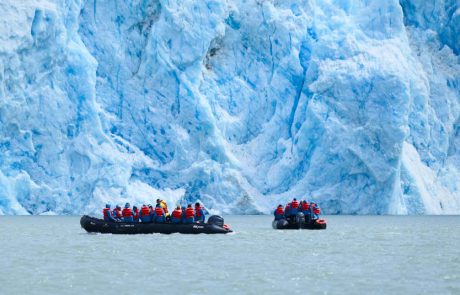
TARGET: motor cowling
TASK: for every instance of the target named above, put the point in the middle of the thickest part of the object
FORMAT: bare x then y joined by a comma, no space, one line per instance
300,218
217,220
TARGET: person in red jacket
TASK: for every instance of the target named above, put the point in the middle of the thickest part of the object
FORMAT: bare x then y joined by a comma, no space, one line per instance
127,213
199,213
287,210
189,214
159,214
145,214
177,215
305,208
279,212
294,207
106,212
117,213
136,214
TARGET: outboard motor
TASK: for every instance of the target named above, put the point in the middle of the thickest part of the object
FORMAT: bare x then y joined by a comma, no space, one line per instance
217,220
280,224
300,218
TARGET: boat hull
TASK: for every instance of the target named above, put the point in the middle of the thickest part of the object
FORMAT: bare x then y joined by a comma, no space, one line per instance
96,225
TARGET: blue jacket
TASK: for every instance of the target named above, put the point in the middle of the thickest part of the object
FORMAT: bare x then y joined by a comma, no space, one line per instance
202,218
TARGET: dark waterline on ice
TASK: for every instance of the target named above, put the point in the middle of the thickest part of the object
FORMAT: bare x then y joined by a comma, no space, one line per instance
356,254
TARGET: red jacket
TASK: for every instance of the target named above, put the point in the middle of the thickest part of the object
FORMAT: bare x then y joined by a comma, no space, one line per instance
145,211
117,213
295,204
159,211
127,212
198,212
279,211
106,212
189,212
177,213
305,206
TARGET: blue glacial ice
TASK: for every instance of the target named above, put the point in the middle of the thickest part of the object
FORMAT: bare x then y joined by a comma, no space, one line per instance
238,104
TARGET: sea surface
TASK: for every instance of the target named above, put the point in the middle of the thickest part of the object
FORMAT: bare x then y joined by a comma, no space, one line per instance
355,255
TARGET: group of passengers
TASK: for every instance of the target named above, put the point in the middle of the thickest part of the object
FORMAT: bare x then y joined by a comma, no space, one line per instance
159,214
311,211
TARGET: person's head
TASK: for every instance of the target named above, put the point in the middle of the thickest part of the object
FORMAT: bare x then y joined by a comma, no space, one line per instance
158,201
150,206
107,206
295,199
118,207
197,204
280,206
189,206
127,205
134,207
178,207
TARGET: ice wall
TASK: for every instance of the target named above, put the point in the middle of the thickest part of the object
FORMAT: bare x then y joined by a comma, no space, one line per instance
239,104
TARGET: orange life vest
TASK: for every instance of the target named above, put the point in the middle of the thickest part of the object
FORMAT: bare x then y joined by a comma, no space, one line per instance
145,211
305,206
159,211
279,211
177,214
117,213
189,212
106,212
198,212
127,212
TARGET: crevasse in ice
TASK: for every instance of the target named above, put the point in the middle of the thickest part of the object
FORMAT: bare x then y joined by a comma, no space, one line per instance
238,104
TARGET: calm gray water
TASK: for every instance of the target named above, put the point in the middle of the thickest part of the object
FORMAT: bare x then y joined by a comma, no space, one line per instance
355,255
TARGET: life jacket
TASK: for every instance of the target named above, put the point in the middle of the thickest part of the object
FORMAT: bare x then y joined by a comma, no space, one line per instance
136,214
316,211
177,214
159,211
305,206
189,213
279,211
106,212
117,213
287,208
127,212
164,206
295,204
145,211
198,212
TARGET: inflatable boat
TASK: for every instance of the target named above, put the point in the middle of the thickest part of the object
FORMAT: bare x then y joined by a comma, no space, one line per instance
299,222
215,225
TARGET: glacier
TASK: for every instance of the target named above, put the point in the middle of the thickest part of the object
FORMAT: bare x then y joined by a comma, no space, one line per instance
238,104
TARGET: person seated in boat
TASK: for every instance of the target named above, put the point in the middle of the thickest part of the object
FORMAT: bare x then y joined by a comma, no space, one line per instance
145,214
159,216
117,213
287,210
177,215
107,213
189,214
183,213
152,212
199,213
135,214
127,213
294,209
279,212
315,211
305,207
